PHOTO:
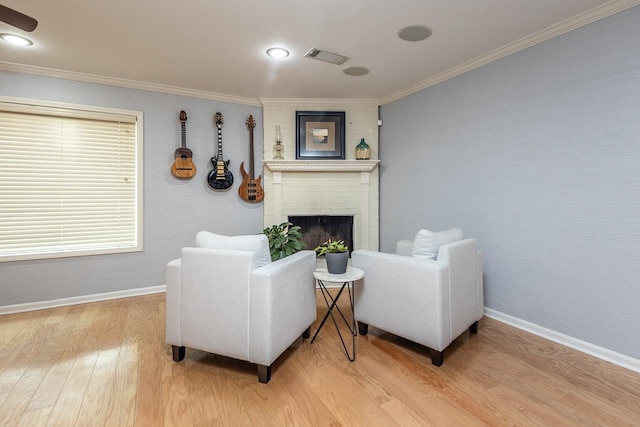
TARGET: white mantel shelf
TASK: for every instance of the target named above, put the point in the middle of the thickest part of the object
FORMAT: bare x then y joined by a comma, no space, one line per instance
321,165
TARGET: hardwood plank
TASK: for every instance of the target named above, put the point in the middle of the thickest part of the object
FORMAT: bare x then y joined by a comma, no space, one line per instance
297,376
21,338
16,402
149,405
93,410
201,400
37,417
121,406
175,397
66,409
51,385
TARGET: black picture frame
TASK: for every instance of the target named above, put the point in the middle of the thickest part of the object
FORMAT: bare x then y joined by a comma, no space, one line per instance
320,135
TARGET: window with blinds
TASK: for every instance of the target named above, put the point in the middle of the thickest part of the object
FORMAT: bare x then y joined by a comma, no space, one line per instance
70,180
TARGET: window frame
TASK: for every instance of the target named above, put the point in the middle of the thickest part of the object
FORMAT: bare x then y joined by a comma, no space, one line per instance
26,105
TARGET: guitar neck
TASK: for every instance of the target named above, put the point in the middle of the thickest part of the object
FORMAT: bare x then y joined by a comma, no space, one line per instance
219,142
184,135
251,175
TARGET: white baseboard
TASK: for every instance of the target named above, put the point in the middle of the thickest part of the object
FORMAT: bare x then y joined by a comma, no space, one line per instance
583,346
41,305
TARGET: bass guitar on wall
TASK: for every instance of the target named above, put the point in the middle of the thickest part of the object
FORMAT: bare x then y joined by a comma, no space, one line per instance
220,178
183,166
250,190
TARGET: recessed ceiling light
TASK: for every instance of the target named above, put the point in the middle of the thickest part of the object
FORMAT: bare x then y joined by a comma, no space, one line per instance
356,71
277,52
15,40
415,33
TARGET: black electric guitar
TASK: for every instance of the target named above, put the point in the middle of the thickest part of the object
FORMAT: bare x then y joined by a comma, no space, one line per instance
220,178
250,190
183,166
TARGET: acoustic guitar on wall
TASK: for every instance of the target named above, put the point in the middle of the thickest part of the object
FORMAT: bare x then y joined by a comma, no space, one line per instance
250,190
183,166
220,178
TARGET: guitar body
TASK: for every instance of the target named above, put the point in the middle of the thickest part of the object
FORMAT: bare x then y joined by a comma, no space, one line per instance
220,178
183,166
250,190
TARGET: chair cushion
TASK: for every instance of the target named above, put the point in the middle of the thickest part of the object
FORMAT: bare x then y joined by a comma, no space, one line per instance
427,243
258,243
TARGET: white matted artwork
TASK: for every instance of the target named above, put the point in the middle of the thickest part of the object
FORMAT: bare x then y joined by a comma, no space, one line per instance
320,135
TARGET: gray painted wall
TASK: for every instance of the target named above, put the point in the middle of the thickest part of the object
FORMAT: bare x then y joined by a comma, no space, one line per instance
174,210
537,156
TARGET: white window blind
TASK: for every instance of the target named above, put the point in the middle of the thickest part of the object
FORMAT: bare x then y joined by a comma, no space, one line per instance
70,181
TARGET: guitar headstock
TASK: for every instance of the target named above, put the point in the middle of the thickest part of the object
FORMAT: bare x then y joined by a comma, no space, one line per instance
250,122
183,116
218,119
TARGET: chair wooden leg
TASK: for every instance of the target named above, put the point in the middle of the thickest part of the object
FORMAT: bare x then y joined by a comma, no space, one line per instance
264,373
178,353
437,357
306,333
474,327
363,328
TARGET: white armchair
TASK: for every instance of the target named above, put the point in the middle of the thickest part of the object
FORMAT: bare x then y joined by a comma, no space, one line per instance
222,302
427,301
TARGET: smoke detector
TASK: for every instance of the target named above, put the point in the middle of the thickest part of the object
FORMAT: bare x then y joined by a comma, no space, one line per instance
323,55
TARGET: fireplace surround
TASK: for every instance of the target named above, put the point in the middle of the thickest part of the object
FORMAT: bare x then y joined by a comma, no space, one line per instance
325,187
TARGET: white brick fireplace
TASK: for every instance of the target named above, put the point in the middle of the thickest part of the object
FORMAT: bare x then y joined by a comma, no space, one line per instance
325,187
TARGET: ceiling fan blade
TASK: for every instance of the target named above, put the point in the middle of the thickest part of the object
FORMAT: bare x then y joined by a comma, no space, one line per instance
17,19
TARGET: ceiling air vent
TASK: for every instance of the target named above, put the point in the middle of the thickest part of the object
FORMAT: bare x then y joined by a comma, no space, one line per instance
323,55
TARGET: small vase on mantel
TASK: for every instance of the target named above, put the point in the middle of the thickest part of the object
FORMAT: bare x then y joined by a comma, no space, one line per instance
278,148
363,151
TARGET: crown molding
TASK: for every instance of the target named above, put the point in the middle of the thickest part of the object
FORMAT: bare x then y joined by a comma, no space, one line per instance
130,84
320,101
550,32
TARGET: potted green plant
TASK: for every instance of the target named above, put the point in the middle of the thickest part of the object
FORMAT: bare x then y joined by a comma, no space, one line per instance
284,239
336,253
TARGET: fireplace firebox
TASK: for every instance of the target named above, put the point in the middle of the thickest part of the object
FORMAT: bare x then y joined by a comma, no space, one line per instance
317,229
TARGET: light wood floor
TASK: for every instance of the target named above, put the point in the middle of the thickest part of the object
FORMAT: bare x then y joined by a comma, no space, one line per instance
107,364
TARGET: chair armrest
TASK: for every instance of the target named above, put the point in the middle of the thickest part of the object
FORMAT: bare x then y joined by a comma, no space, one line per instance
173,272
282,305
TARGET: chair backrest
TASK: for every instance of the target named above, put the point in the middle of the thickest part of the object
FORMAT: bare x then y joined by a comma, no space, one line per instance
465,292
214,292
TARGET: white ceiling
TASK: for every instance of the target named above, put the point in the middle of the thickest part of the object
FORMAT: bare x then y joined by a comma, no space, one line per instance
218,47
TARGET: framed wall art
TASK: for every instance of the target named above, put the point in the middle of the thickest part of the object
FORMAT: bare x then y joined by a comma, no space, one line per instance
320,135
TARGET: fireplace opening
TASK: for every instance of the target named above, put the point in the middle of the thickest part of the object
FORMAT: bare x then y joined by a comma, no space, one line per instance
317,229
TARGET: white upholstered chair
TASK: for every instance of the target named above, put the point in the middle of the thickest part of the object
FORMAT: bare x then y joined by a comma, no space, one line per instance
220,300
427,301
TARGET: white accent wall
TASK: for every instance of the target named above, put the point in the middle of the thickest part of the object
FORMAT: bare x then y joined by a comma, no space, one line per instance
537,156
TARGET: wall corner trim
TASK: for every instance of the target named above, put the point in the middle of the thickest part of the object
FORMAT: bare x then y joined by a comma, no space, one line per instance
566,340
